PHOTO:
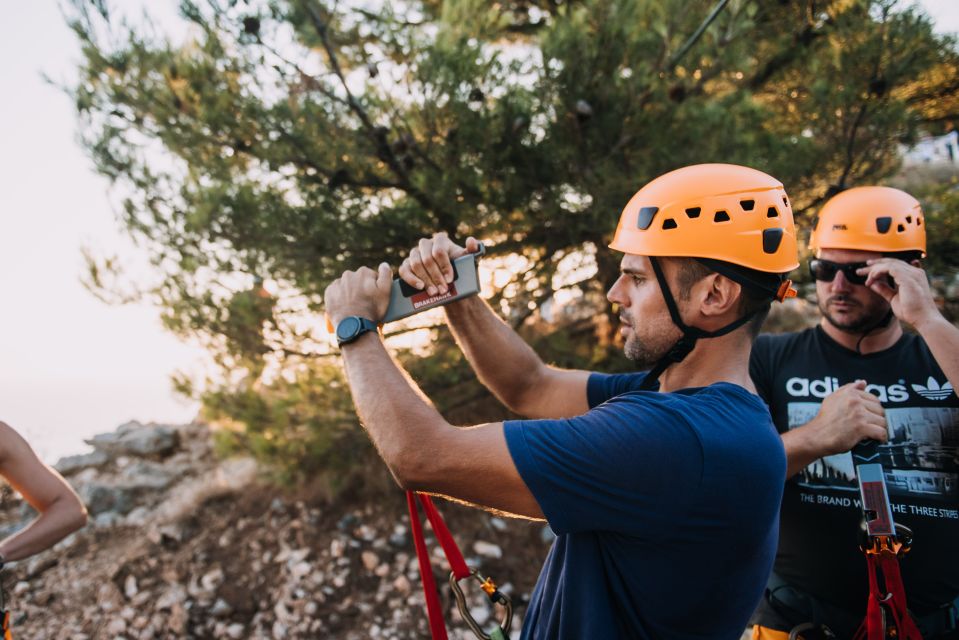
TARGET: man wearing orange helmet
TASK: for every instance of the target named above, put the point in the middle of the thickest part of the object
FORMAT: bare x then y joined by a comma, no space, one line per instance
663,489
858,376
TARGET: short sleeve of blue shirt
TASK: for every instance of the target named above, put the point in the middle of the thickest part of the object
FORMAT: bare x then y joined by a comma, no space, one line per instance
628,465
600,387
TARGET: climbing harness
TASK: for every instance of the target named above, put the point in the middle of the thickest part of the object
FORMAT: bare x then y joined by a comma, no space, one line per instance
883,543
459,571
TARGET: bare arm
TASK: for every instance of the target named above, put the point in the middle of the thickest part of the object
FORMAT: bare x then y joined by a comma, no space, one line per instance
912,302
943,340
847,416
423,451
61,511
503,361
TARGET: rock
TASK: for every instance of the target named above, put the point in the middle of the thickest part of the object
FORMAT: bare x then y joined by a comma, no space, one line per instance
402,585
365,533
498,524
370,560
400,537
221,609
138,517
480,614
38,564
173,597
236,631
169,535
347,522
144,474
117,626
101,498
130,587
107,520
487,549
135,439
212,579
300,570
72,464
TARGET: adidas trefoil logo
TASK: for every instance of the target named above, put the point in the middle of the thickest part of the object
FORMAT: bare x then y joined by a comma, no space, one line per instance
932,390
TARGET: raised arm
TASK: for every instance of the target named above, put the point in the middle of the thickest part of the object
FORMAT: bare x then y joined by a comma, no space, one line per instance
60,510
503,361
912,302
422,450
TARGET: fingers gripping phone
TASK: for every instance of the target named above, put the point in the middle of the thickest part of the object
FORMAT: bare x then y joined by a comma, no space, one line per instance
406,300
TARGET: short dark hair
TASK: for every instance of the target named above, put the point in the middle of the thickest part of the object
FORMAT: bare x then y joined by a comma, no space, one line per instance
690,271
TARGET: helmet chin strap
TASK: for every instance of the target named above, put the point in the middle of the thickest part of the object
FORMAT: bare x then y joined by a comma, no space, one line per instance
684,346
882,323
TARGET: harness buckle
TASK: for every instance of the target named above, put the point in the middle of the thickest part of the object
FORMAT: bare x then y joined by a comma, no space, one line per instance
496,597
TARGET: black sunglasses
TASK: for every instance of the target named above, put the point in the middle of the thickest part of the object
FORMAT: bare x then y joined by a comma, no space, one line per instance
825,271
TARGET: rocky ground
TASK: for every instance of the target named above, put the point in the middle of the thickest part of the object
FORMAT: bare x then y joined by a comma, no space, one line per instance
183,545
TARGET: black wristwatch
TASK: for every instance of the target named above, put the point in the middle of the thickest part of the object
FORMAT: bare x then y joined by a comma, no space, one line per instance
351,328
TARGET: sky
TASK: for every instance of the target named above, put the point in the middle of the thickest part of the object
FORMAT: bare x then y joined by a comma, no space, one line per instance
70,365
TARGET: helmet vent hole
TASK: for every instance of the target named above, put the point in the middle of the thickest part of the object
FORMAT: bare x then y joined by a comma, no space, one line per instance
785,201
669,223
900,228
721,216
772,212
909,219
693,212
918,222
883,224
747,205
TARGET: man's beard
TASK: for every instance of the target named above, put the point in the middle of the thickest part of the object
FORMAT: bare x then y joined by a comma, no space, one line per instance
871,314
646,353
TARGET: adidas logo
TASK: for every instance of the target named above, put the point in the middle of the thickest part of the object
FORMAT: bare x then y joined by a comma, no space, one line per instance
932,390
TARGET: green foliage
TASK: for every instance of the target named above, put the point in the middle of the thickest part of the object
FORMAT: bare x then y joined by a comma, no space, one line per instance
302,424
290,139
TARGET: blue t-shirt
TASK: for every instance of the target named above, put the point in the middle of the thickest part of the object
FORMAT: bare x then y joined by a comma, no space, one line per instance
665,507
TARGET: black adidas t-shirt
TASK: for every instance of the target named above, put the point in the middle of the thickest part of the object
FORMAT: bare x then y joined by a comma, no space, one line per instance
818,539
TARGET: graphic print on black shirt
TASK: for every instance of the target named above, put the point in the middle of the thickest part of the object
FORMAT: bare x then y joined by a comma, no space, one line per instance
919,458
820,514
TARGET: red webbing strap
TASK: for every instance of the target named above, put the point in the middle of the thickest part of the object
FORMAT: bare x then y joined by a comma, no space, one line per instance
453,554
433,609
890,571
894,598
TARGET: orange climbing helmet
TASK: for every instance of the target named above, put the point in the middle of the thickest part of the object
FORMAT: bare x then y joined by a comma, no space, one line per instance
870,219
722,212
735,220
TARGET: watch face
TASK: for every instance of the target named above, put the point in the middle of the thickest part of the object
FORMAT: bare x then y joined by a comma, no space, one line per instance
348,328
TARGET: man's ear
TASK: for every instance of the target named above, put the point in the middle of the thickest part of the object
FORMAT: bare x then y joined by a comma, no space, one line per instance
721,295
